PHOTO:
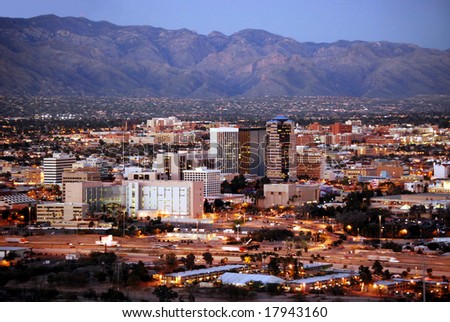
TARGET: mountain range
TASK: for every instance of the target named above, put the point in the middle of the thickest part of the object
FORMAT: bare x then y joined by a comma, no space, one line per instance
50,55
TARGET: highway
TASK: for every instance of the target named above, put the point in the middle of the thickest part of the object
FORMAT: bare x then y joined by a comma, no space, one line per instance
150,250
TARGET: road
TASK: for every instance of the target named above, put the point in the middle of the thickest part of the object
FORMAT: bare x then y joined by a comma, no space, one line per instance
150,250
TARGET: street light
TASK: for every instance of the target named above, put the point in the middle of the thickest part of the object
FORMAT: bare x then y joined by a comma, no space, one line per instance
29,214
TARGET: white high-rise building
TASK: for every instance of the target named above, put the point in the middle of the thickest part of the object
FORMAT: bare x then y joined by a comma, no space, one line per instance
224,144
210,178
54,167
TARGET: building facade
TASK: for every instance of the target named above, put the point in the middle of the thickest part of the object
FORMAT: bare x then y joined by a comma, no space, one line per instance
210,178
224,145
282,194
54,167
280,149
98,195
170,199
59,212
252,142
311,163
79,175
172,164
441,170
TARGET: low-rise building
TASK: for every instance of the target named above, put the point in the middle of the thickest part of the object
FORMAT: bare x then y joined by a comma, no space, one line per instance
323,282
311,163
416,186
285,194
173,198
79,175
199,275
59,212
355,172
16,201
440,186
400,203
98,195
441,170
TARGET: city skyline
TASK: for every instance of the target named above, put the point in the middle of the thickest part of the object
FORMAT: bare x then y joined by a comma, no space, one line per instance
424,23
155,164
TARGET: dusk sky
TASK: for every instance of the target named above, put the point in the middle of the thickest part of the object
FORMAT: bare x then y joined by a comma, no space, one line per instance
422,22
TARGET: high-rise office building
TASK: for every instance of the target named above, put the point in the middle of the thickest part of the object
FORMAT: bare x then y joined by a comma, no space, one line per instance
224,144
172,164
210,178
54,167
280,149
252,143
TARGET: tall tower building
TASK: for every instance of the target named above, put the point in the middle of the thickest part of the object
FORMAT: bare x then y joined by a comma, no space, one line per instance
172,164
280,149
54,167
224,145
252,143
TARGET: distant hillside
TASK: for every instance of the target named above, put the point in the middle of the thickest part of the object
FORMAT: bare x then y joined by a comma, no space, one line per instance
49,55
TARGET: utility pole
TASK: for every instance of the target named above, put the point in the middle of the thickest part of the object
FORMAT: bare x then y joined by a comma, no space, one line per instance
123,224
423,278
379,217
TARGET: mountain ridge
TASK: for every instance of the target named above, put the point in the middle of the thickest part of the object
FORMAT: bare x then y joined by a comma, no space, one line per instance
49,55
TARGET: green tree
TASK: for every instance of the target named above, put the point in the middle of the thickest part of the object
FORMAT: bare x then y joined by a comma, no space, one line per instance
208,258
10,256
113,295
170,262
273,266
138,273
165,294
274,289
365,276
108,258
218,204
225,187
377,268
190,261
386,275
417,210
238,183
207,207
